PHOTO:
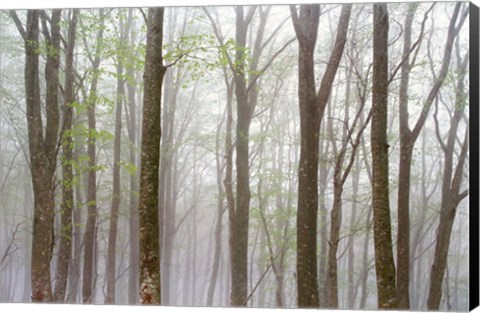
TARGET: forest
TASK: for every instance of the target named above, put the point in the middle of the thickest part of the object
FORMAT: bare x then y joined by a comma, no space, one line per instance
270,156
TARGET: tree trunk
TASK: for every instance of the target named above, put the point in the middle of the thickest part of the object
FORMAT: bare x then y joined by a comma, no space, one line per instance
133,202
406,149
116,197
323,234
307,285
220,166
382,233
42,151
352,290
75,268
89,239
66,232
451,184
150,157
166,201
312,106
239,232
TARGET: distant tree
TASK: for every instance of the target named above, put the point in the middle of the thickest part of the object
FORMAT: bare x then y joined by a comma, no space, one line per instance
90,237
116,196
132,123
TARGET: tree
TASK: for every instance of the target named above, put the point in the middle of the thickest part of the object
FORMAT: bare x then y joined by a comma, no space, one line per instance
43,149
133,201
341,172
151,131
239,222
66,231
312,105
382,233
453,175
116,196
90,237
408,138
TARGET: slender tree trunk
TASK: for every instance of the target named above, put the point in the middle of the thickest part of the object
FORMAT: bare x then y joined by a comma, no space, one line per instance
150,157
75,268
322,198
239,233
133,202
66,232
365,263
89,239
352,290
228,183
451,185
166,201
384,264
406,149
218,224
116,197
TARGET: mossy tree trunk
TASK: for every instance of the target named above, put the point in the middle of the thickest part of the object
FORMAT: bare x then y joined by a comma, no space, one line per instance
312,106
382,232
150,157
43,149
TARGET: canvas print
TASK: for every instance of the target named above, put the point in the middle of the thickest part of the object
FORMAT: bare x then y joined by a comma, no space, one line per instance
267,156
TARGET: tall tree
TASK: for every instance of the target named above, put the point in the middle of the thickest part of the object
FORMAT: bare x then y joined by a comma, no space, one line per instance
116,196
239,231
42,148
312,106
66,231
89,239
150,157
453,175
133,201
408,138
220,169
247,76
382,233
341,172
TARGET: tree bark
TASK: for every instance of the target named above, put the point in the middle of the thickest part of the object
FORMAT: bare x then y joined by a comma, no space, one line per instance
312,106
239,232
306,28
150,290
382,233
406,150
42,151
66,232
451,185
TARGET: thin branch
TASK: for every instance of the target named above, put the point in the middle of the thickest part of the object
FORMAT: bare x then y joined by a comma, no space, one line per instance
414,46
258,283
144,15
18,23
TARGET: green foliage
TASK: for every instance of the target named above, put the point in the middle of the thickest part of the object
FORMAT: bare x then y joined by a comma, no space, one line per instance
130,167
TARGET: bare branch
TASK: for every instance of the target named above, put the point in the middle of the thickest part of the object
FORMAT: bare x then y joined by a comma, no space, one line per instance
19,25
